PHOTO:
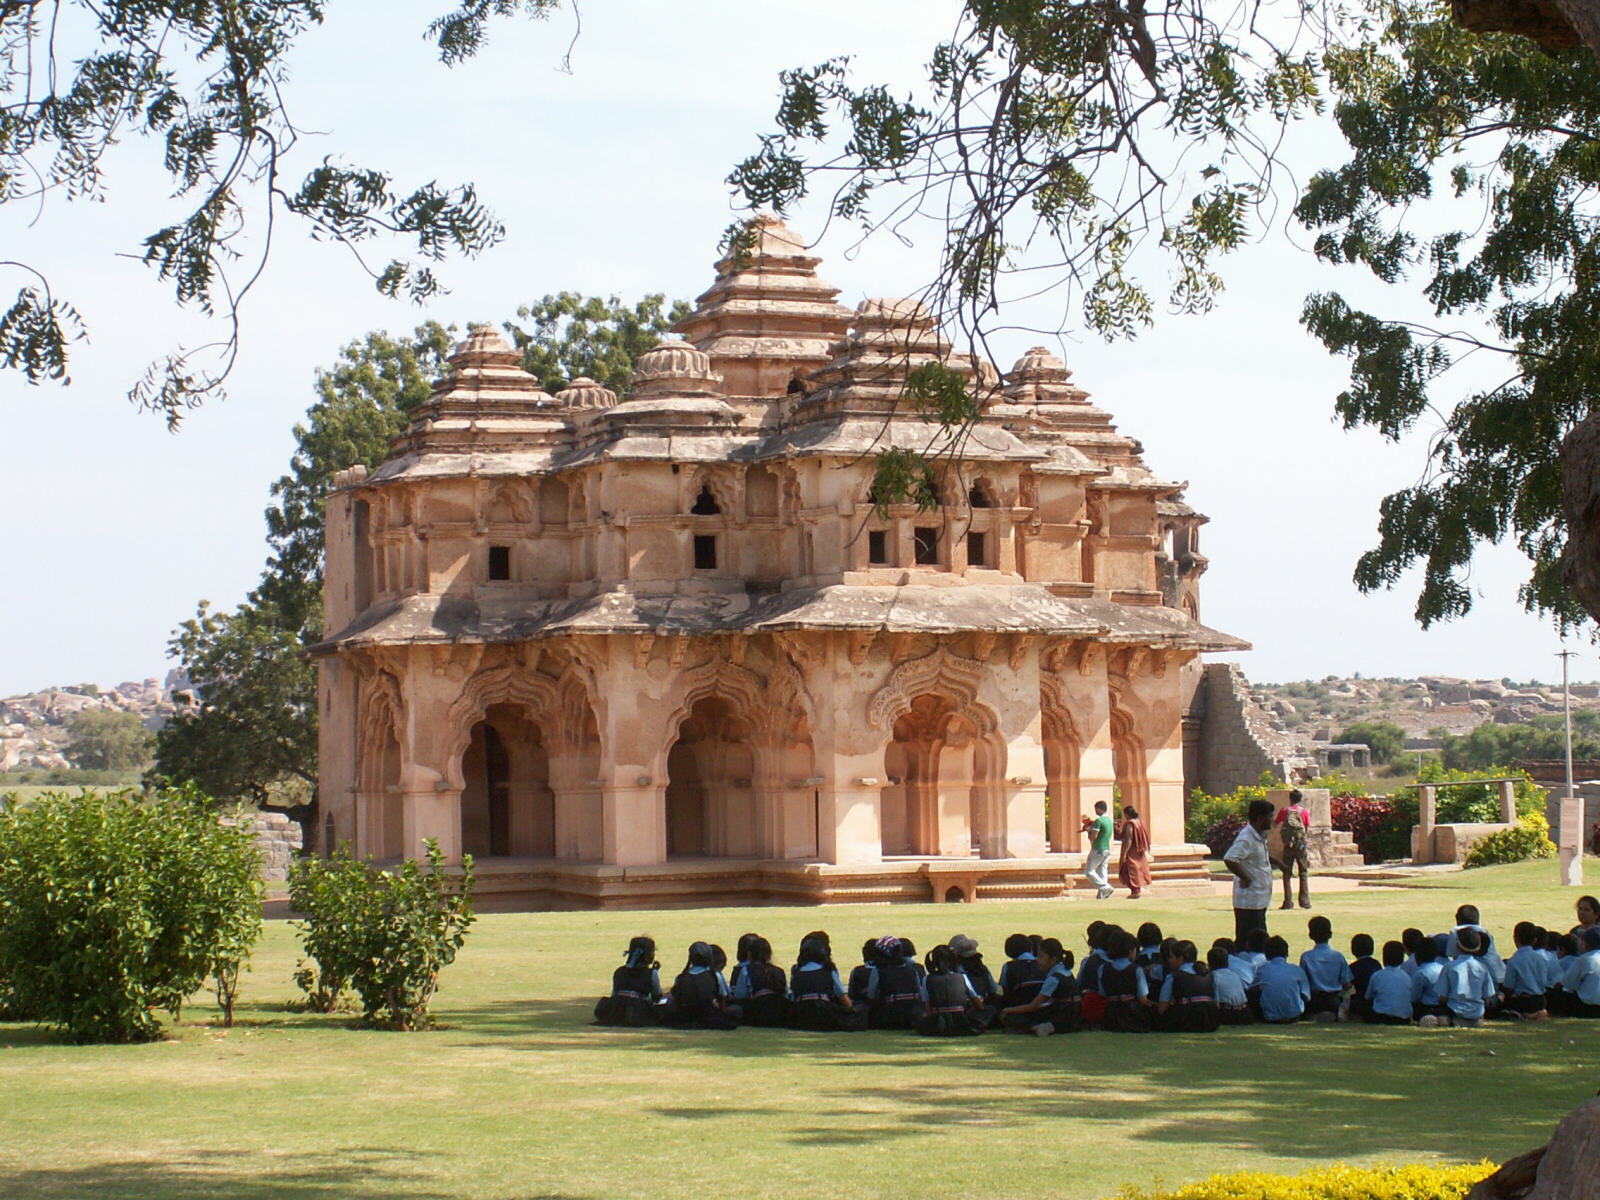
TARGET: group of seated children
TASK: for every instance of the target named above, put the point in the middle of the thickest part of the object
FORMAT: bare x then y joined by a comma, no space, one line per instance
1127,983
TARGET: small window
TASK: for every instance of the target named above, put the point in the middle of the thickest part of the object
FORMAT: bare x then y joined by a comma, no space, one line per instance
705,552
979,498
499,562
705,504
925,542
977,549
877,547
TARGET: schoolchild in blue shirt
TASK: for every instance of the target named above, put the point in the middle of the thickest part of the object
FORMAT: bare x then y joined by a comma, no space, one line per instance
1326,970
1254,954
1243,967
1411,939
1363,966
1427,983
741,959
1467,918
635,988
1228,989
1560,1001
1547,953
980,980
1123,984
1056,1007
1526,976
1582,978
1389,989
1284,986
1469,988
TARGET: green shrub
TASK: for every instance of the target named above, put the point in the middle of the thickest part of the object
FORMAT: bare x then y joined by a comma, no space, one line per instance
385,935
1331,1183
1480,803
113,907
1528,838
1203,811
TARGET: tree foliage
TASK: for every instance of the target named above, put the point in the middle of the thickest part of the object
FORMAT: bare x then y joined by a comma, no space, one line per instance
114,906
108,740
566,335
1384,738
206,85
1509,134
1543,737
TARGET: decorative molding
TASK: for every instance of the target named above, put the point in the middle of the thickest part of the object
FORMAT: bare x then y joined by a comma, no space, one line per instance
942,674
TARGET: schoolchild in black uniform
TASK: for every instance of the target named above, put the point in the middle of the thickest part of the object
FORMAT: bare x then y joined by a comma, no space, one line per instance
1020,977
861,975
896,991
741,956
1056,1006
979,978
1124,986
760,990
1152,956
635,988
699,993
1188,1001
952,1010
817,997
1094,1001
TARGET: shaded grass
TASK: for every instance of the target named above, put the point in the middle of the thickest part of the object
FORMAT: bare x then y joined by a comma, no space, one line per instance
517,1096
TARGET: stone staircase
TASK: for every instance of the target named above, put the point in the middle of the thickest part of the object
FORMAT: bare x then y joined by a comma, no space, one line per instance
1332,850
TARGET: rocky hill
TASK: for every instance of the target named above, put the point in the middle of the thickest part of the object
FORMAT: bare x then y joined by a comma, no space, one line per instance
34,727
1319,710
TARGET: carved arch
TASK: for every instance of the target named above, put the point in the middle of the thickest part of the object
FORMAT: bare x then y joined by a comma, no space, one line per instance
724,680
382,705
558,706
940,674
726,487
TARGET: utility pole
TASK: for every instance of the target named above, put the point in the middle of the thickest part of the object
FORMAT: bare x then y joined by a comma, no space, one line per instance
1570,834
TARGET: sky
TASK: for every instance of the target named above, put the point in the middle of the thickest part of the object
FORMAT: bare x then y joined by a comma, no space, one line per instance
609,180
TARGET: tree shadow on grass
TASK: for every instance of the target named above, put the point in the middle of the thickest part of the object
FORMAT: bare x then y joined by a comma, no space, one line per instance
1309,1092
193,1175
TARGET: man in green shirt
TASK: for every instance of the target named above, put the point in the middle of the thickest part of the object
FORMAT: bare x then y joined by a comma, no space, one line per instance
1098,831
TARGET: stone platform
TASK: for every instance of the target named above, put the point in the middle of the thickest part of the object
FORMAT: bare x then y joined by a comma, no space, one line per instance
523,884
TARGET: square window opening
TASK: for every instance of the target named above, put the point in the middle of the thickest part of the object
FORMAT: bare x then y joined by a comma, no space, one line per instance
705,552
977,550
499,562
925,546
877,547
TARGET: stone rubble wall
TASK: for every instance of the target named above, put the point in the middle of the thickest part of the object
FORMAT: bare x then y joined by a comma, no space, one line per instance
1239,738
277,837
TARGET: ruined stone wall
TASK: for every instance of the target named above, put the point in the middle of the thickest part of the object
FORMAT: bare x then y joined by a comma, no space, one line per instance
1237,741
277,837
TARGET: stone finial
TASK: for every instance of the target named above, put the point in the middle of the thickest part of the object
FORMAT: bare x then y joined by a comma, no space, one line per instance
585,393
675,367
1038,365
482,347
893,313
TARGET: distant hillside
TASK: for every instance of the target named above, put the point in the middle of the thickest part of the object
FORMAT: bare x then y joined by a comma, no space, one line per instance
34,726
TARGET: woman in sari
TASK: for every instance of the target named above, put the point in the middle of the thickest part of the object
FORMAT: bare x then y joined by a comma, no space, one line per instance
1134,873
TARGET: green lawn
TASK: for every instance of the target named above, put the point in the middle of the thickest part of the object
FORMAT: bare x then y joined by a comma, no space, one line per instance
519,1097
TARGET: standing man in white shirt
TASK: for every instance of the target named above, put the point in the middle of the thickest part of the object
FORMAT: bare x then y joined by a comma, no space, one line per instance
1251,865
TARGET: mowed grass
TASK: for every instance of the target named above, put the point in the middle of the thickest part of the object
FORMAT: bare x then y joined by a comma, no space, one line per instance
518,1096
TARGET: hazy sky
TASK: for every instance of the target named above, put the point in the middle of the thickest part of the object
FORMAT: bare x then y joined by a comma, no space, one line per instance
610,181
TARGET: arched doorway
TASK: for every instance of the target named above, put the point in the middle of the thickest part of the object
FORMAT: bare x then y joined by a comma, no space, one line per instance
942,776
1062,754
507,807
1128,763
711,771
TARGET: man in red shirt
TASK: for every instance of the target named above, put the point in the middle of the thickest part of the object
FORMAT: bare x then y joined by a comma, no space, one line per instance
1294,822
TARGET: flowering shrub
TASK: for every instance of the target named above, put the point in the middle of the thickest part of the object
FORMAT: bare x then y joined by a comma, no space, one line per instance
1220,833
1331,1183
1528,838
1203,810
1373,823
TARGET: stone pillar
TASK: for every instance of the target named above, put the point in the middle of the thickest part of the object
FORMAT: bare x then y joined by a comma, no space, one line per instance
436,814
633,820
1570,833
367,840
578,808
1422,836
849,827
1023,805
1508,801
954,802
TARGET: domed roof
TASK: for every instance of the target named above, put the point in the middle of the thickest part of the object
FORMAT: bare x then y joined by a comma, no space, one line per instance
483,347
675,367
585,393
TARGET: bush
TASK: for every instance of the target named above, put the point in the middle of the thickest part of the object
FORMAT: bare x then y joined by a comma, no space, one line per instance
1219,835
385,935
1480,803
1528,838
1204,811
1331,1183
1374,824
113,907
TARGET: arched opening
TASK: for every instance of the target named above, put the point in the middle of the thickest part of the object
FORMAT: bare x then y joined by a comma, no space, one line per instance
710,777
553,503
507,806
705,504
941,797
1128,763
391,831
1064,811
